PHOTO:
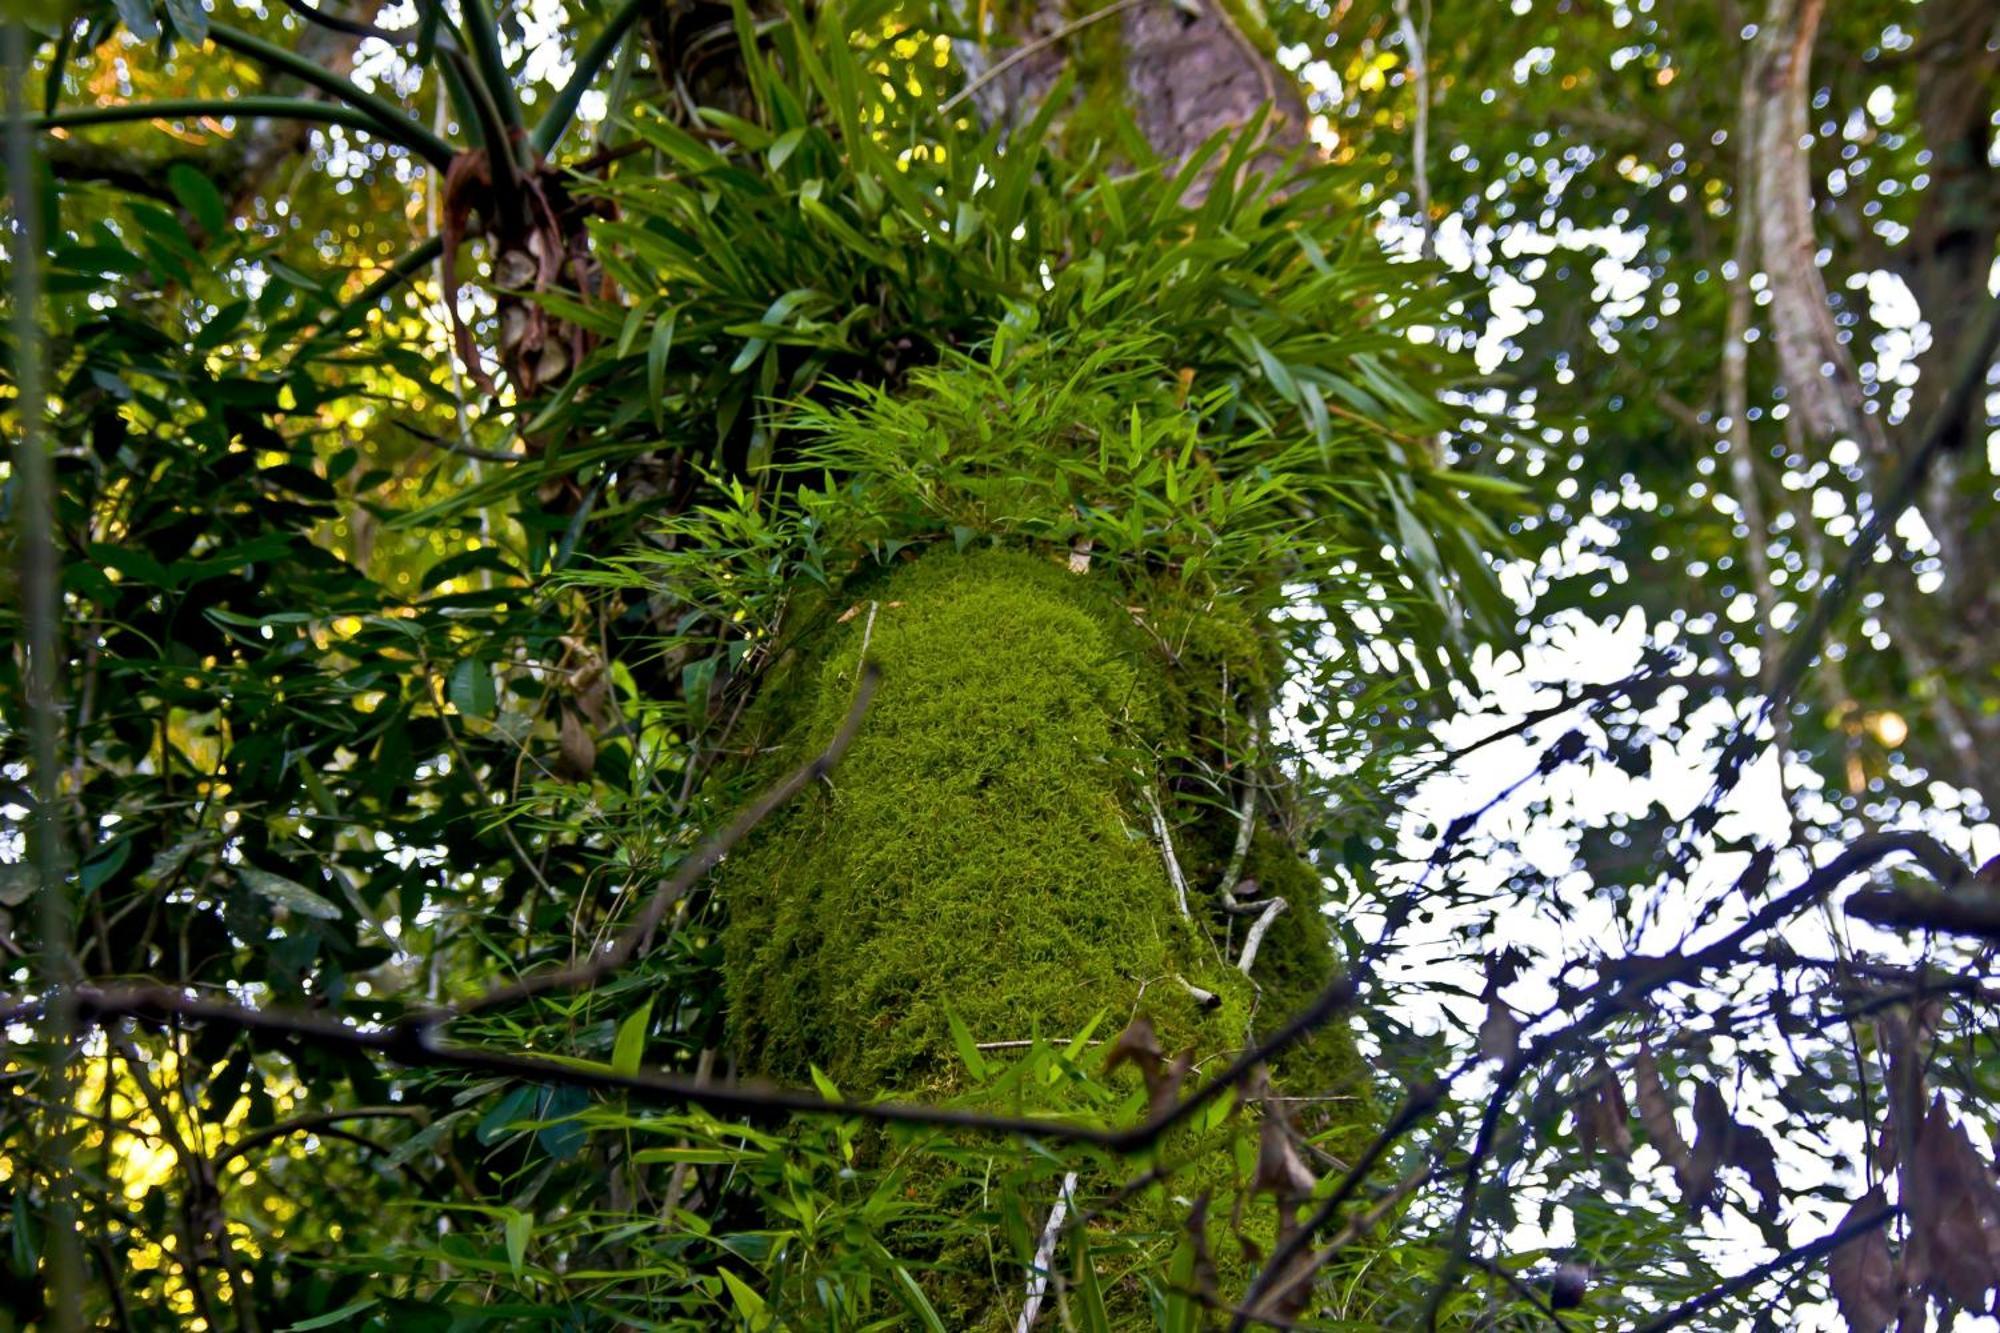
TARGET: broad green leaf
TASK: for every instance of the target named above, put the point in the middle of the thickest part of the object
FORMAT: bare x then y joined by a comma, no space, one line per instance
137,15
288,894
520,1227
197,194
470,687
748,1303
190,19
18,882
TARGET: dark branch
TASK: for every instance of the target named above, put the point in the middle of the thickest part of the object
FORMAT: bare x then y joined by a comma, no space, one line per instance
1742,1282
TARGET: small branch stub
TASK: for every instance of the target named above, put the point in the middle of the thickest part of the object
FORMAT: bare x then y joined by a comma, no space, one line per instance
1255,939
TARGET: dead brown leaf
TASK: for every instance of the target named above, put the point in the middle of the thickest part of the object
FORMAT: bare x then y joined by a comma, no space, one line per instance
1861,1273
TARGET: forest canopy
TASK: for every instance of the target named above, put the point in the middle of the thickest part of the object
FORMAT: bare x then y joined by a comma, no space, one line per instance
1166,664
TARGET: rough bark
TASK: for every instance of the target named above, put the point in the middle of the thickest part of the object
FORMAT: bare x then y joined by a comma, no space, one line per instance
1183,71
1818,371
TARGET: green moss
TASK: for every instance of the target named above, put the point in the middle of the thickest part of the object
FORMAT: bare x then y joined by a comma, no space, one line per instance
976,849
1294,963
982,851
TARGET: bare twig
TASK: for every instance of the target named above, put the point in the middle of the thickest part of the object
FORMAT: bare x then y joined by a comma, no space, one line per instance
686,875
1045,1256
1742,1282
1034,48
284,1129
1165,838
1255,939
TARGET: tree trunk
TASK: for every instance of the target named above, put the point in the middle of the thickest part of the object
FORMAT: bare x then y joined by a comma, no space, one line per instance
985,855
1055,797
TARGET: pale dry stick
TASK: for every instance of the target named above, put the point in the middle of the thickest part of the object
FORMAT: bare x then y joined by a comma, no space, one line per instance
867,631
704,1068
1255,939
1045,1255
1420,145
1165,838
1246,830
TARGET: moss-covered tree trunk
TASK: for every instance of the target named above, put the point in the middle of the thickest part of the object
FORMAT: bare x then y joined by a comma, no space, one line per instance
1055,819
989,846
1017,844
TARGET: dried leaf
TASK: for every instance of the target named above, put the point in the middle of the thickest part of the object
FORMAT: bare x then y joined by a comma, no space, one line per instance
1861,1274
1500,1033
590,686
1954,1209
1164,1092
1751,1153
1280,1170
1205,1277
1656,1113
1714,1133
1568,1285
1138,1045
579,751
1603,1119
467,179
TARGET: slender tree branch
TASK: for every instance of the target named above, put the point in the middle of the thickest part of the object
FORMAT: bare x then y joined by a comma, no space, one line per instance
1975,913
351,27
686,875
1742,1282
39,582
418,140
284,1129
1035,48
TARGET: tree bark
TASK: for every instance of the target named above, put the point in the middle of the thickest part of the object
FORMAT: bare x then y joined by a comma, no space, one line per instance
1183,71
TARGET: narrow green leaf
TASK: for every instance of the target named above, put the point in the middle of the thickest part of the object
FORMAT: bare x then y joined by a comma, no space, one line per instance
657,351
968,1049
920,1304
332,1318
630,1044
520,1227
